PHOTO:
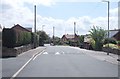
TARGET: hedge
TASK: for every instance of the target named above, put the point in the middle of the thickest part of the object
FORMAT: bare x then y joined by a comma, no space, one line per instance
22,38
13,38
110,40
8,37
35,39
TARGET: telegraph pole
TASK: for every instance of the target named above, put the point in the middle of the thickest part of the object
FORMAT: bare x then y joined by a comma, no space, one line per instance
108,22
74,28
35,25
35,18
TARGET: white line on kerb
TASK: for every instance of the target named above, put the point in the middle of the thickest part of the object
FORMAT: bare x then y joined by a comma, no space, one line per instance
33,57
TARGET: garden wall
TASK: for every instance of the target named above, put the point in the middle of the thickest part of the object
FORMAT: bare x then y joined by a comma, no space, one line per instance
13,52
110,50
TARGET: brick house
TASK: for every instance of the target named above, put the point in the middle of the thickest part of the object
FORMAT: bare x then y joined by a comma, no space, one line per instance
67,38
117,35
18,27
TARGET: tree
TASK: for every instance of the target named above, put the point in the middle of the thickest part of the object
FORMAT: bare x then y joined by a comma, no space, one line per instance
57,41
81,39
42,37
98,34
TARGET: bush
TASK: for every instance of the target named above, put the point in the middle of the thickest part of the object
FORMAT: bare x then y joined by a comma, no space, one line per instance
118,42
92,43
8,38
113,46
22,38
13,38
35,40
110,40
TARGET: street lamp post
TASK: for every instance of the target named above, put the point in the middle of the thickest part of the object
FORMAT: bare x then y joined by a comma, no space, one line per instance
108,22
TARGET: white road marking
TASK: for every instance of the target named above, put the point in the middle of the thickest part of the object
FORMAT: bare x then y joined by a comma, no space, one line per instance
33,57
45,53
22,67
57,53
37,56
63,52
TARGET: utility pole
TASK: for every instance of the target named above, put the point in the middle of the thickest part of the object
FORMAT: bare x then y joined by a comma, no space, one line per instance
53,35
35,25
35,18
108,22
74,28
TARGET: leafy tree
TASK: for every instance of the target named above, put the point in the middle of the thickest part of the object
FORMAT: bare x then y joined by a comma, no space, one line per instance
42,37
57,41
81,39
98,34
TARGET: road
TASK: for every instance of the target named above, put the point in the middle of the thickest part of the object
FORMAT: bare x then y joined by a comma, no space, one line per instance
66,61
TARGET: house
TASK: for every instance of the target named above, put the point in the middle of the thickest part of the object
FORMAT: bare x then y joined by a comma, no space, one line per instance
114,34
87,38
117,36
18,27
67,38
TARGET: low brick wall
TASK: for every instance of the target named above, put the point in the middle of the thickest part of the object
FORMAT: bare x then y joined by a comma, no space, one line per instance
13,52
110,50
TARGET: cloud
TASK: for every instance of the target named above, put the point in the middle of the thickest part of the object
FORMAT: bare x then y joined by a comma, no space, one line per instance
114,12
17,13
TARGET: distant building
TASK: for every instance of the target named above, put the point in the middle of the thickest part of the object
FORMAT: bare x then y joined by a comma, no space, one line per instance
87,38
30,29
68,37
114,34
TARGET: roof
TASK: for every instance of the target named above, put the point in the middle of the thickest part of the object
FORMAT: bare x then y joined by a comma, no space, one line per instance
68,36
117,35
18,27
113,32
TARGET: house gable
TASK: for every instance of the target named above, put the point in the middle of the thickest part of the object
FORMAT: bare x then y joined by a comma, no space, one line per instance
18,27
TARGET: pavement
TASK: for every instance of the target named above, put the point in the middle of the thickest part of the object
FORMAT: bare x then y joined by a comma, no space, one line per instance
112,58
13,64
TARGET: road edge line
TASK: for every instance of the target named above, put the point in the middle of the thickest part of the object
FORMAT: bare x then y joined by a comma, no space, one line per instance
25,65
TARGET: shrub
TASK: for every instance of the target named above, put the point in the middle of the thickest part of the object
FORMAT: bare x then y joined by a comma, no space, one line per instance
35,39
113,46
22,38
109,40
8,37
13,38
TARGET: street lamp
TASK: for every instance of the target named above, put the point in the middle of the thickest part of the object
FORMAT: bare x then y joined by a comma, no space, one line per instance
108,21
